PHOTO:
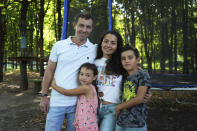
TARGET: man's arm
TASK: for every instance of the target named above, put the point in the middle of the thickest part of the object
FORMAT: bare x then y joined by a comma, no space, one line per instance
48,77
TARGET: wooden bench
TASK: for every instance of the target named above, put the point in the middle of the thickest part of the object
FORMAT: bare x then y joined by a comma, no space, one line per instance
37,84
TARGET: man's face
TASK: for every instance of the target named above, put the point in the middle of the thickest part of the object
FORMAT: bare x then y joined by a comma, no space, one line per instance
83,28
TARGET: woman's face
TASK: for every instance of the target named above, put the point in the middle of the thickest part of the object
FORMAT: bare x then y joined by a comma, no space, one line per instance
109,45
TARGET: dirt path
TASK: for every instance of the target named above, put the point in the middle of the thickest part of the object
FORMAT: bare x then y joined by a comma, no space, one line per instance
19,110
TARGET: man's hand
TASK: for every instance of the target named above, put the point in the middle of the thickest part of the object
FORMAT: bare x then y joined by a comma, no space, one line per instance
44,104
147,97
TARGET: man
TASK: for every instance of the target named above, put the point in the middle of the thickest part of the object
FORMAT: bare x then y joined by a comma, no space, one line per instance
65,59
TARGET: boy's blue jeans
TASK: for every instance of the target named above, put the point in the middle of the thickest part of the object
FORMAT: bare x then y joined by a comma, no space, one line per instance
55,118
107,117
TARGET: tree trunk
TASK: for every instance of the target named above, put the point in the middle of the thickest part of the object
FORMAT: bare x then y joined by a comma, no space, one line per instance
185,37
172,39
41,23
133,28
151,30
193,41
59,19
31,43
168,49
126,27
2,41
23,67
54,17
163,46
195,52
16,48
37,35
175,42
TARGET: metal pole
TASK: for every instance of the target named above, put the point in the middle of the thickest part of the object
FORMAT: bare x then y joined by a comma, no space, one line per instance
65,19
110,14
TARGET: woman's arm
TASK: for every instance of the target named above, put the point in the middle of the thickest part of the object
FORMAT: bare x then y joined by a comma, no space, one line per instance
71,92
147,97
134,101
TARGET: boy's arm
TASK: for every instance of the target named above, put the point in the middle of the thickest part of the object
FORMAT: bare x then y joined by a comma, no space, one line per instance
134,101
71,92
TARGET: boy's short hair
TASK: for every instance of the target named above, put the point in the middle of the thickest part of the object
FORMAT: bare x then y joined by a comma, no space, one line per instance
85,16
129,47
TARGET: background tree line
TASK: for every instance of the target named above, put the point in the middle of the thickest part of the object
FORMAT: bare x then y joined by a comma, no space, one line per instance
164,31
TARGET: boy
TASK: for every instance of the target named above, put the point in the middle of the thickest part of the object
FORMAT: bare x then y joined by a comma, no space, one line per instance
132,112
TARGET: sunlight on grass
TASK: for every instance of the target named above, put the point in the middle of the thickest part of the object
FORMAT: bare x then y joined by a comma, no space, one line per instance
19,94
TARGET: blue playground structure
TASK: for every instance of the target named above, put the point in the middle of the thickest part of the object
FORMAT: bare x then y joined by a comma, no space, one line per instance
65,18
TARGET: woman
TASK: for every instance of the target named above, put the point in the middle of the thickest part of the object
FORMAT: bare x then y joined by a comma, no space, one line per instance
109,78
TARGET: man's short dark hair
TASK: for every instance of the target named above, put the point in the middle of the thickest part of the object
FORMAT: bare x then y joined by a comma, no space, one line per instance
85,16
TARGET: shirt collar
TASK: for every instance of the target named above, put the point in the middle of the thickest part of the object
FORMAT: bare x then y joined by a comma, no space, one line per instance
84,45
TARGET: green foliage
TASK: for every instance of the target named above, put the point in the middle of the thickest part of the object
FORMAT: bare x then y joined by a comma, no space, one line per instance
149,18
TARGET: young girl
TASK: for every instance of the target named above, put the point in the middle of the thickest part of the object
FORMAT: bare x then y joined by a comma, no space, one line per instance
86,111
132,113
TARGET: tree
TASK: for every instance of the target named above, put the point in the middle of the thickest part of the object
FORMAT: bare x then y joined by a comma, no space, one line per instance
23,31
185,35
2,36
41,40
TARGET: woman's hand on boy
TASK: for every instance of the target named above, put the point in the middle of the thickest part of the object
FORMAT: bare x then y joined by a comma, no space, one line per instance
147,97
118,108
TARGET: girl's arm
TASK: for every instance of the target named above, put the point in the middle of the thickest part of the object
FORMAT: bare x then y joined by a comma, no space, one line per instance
71,92
134,101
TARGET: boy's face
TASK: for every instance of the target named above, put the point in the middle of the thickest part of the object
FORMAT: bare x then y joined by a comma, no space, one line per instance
86,76
83,28
129,61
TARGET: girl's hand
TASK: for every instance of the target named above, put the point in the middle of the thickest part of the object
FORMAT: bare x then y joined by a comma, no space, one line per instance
53,83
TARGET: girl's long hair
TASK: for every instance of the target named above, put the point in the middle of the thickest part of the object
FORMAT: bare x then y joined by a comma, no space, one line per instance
114,63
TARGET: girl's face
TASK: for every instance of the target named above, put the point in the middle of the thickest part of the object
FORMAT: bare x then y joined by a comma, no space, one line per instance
86,76
129,61
109,45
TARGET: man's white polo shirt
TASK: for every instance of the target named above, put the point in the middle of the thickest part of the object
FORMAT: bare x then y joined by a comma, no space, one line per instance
69,58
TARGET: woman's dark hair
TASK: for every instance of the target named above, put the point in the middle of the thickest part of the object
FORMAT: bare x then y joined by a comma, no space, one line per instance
90,67
113,64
